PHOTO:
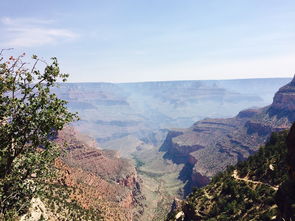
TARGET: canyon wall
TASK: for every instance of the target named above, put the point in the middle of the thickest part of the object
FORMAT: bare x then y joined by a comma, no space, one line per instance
210,145
103,180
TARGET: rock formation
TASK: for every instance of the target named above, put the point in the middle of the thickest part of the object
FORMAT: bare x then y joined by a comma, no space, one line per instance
102,179
284,102
210,145
249,190
118,115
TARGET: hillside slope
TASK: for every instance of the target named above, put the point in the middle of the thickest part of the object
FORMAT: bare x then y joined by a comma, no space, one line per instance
247,191
108,182
91,184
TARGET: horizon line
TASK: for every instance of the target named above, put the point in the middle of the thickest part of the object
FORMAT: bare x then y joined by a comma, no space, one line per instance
134,82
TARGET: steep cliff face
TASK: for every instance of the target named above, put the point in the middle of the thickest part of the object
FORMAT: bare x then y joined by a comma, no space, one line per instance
104,163
102,179
210,145
284,102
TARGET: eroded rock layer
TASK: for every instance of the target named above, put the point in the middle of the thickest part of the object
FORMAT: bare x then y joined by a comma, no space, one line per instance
102,179
210,145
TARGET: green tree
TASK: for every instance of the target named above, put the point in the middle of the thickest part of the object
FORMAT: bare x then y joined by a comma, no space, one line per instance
30,116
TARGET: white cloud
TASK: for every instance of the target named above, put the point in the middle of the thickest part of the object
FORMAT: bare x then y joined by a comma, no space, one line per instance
25,21
30,32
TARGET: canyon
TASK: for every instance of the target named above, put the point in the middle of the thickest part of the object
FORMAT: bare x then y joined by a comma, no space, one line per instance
210,145
131,116
161,164
105,180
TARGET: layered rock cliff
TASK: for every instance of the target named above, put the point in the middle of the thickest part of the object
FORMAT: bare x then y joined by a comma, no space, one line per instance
100,178
210,145
284,103
251,190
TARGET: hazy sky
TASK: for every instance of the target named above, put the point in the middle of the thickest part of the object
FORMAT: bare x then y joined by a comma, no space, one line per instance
149,40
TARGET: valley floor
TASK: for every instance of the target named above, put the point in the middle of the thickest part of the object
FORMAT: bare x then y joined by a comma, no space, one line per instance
160,183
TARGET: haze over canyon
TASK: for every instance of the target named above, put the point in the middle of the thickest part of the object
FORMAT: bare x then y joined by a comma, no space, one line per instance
137,121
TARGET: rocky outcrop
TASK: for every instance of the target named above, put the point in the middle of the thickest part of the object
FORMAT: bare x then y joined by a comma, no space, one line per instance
284,102
102,179
213,144
199,180
257,127
209,146
248,113
286,194
82,152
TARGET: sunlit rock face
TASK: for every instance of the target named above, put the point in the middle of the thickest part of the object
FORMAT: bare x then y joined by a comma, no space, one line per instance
106,181
284,102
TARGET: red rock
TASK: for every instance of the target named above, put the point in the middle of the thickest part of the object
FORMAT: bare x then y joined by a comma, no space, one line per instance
105,181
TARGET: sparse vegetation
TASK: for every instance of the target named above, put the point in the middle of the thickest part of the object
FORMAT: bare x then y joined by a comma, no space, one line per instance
138,163
245,191
57,199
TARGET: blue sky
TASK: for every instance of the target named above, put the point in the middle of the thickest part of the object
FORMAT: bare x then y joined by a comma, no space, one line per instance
151,40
